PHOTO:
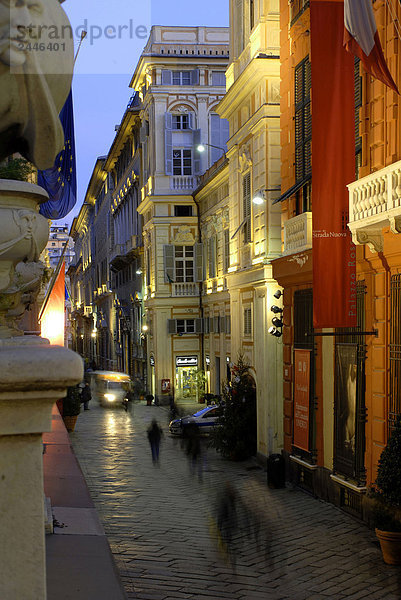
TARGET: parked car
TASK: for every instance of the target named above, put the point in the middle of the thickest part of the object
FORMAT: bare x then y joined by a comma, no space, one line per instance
205,419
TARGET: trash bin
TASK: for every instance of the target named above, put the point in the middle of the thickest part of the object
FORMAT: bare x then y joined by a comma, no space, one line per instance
276,471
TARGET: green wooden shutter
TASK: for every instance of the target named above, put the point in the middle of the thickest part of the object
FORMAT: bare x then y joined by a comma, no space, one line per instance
168,145
169,274
198,251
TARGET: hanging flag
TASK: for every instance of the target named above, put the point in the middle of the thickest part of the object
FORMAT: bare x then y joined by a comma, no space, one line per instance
52,319
60,182
362,39
333,167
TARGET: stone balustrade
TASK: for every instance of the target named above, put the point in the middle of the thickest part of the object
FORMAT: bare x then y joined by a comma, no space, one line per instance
185,289
374,203
298,233
183,182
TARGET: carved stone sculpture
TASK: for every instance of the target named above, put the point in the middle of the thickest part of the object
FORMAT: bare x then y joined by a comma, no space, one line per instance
36,65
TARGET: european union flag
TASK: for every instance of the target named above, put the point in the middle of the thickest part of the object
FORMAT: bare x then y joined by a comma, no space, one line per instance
60,182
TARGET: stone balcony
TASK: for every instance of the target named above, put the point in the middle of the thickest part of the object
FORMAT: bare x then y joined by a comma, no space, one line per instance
183,183
375,203
298,233
185,289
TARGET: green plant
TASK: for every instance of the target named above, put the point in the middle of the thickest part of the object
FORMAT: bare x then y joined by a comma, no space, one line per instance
387,492
235,438
17,169
72,402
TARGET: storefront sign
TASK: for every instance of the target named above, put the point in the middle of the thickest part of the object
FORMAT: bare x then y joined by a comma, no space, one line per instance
152,361
166,386
186,361
301,398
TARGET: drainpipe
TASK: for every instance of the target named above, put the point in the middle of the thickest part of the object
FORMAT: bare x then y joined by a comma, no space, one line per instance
202,335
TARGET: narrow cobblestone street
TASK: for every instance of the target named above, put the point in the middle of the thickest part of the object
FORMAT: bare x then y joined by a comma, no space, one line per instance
157,520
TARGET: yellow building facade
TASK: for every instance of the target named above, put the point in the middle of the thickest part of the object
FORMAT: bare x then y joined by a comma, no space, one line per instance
252,107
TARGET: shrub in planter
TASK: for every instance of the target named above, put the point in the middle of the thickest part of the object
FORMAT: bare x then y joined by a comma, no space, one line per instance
387,498
235,437
72,402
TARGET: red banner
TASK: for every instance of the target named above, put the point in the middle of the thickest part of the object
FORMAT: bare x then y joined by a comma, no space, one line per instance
301,398
333,167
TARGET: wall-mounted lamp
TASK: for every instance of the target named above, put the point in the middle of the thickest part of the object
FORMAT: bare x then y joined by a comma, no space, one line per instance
145,328
202,147
93,334
277,322
278,294
276,309
275,332
139,271
261,195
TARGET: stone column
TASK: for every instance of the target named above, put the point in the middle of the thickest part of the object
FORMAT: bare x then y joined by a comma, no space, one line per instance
33,375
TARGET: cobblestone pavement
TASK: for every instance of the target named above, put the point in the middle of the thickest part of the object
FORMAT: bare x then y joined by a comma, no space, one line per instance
158,522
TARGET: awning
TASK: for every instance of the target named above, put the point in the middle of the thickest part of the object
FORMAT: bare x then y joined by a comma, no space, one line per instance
292,190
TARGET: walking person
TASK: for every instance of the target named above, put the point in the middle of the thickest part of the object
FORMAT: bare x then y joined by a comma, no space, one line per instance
86,395
155,434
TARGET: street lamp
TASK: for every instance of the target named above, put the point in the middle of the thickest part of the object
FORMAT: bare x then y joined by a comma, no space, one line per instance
201,147
261,195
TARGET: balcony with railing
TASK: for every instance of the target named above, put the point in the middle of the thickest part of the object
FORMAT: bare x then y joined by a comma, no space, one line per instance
374,203
298,233
183,183
185,289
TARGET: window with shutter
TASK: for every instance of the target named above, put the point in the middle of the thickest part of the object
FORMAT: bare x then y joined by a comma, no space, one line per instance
195,77
199,262
169,271
182,161
168,139
197,154
303,121
206,325
171,326
228,324
216,324
184,264
182,77
246,207
247,321
226,250
166,77
198,325
180,121
358,104
218,78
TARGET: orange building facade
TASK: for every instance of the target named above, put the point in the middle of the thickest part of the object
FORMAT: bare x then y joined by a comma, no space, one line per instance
337,424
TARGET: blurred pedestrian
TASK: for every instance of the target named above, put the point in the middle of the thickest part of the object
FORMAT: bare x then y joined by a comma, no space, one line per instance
227,521
194,450
155,433
86,395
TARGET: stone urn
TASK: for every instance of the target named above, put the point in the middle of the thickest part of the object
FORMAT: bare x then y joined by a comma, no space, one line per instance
23,235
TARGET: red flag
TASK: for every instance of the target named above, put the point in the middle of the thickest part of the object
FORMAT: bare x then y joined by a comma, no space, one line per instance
333,166
361,38
52,318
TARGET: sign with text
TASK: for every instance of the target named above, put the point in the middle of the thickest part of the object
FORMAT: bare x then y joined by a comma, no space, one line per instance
186,361
301,398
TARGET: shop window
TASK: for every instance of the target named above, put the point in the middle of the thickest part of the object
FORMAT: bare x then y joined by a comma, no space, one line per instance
349,405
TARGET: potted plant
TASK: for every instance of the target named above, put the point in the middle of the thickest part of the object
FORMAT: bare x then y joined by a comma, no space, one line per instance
387,498
71,407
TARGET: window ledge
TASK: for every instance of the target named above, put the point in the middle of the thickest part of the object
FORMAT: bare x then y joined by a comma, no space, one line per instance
355,488
303,463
